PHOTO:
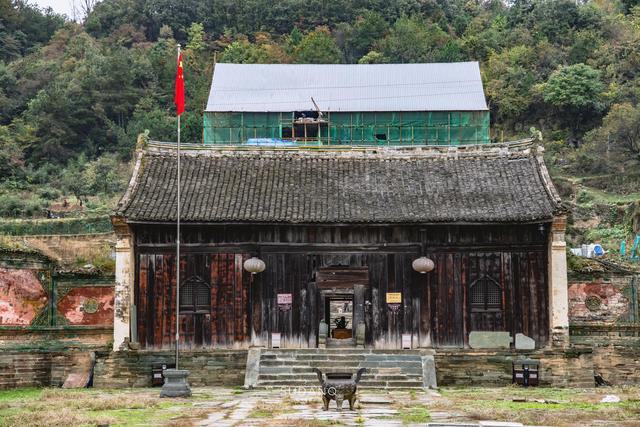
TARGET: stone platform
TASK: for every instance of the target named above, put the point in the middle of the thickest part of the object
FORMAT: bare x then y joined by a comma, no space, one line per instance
386,369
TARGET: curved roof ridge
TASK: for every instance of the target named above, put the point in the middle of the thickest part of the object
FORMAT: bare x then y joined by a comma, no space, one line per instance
133,182
520,148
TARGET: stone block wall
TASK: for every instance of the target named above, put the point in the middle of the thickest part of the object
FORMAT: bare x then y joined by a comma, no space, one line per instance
37,369
558,368
618,364
133,368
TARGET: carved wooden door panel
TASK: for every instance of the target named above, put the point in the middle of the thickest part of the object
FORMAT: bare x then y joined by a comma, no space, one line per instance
486,293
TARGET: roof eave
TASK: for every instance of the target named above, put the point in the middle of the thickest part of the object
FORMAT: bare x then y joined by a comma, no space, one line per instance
131,187
341,224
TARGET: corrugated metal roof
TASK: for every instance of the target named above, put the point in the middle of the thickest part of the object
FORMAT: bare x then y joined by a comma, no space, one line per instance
377,87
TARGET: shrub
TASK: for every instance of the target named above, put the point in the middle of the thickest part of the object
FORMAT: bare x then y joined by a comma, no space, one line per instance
15,206
584,197
48,193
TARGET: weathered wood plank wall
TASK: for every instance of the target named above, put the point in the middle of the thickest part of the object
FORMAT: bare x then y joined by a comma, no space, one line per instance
225,324
435,307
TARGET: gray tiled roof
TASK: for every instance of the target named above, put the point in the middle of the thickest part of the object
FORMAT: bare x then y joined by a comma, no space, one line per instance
455,86
370,186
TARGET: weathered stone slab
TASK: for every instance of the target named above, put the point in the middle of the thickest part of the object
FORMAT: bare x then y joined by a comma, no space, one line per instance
253,368
429,372
489,339
77,380
498,424
371,400
523,342
81,371
451,425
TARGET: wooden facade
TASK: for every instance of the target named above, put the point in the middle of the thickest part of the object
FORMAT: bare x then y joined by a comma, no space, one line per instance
338,231
486,278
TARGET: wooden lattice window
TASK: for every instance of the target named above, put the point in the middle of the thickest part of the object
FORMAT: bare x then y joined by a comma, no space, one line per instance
485,295
195,296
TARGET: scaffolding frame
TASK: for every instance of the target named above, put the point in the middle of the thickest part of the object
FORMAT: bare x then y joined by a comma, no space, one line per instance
351,128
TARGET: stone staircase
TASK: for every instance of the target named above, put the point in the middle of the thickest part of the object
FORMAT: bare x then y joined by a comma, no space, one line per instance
386,369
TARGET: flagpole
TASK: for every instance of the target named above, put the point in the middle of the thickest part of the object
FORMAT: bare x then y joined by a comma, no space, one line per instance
178,247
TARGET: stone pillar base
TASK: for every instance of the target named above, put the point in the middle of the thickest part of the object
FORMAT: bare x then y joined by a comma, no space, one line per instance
175,383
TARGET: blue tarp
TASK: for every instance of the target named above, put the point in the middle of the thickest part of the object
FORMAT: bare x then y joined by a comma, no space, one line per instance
270,142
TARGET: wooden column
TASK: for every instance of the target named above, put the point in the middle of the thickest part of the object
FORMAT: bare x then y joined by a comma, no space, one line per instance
123,292
558,291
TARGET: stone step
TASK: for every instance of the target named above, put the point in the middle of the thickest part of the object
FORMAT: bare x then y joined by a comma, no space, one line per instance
313,378
386,369
417,370
335,358
339,359
362,384
304,351
280,362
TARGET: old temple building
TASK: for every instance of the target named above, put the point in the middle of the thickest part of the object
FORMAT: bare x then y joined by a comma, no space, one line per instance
338,231
365,209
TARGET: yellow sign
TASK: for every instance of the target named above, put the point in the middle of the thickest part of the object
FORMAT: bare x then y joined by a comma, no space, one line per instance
394,297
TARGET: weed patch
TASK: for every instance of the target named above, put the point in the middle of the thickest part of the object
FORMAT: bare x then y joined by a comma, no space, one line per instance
415,414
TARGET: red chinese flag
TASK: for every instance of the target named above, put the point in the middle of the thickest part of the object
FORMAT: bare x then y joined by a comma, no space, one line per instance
179,97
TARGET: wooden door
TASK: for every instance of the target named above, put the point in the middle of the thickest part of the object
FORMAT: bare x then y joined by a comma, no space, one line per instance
486,292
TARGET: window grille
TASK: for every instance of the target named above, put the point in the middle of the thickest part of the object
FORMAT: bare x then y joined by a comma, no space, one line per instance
195,295
485,295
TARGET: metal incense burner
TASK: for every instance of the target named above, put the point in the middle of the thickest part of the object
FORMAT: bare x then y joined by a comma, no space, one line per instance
339,386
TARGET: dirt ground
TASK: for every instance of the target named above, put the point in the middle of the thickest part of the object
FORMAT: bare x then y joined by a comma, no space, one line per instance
216,406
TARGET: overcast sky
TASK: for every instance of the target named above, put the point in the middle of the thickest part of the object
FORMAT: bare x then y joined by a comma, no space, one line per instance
60,6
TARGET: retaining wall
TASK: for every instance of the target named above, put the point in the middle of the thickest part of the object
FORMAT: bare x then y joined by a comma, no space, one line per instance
486,368
37,369
133,368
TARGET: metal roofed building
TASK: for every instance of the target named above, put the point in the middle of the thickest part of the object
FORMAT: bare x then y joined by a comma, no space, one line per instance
327,104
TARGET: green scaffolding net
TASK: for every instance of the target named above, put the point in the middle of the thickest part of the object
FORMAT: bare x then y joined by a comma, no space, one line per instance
370,128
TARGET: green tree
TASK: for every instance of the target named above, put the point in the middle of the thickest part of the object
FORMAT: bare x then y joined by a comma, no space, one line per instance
373,57
73,179
413,40
510,78
295,37
12,150
160,123
105,175
242,51
317,47
368,28
196,37
619,134
24,26
575,91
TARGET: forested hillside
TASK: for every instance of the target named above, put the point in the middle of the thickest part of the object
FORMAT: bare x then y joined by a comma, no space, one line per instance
74,96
